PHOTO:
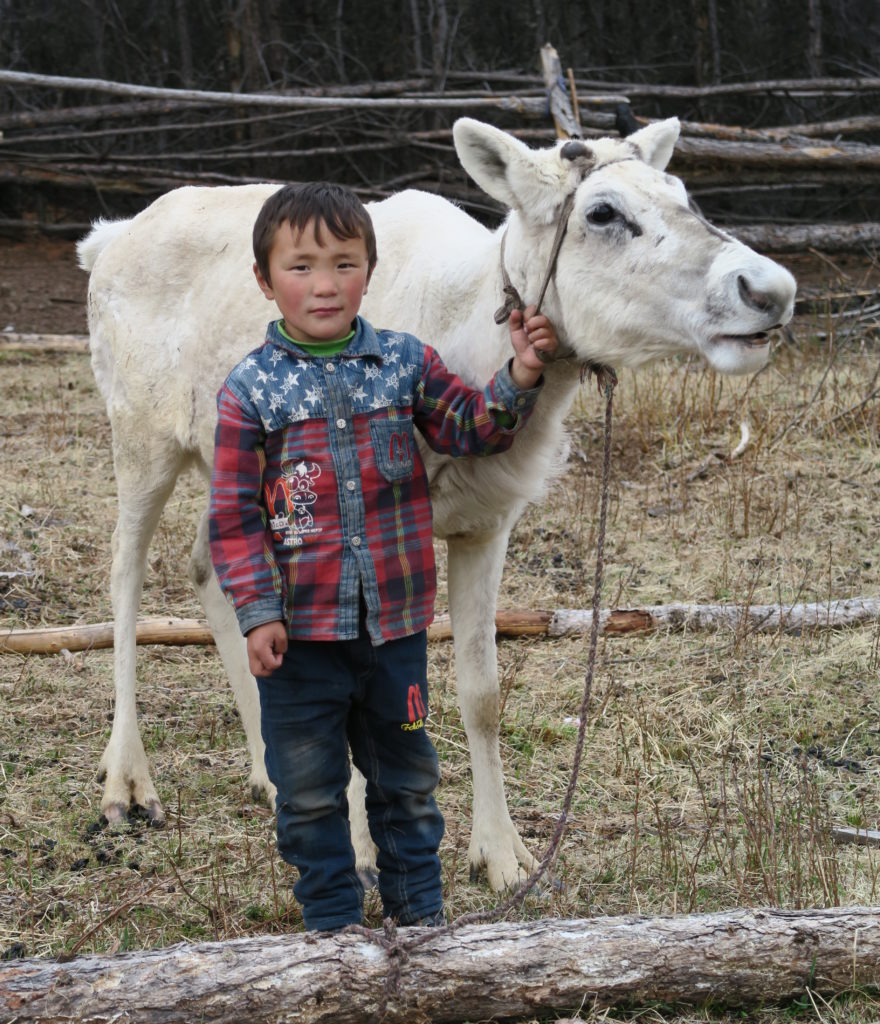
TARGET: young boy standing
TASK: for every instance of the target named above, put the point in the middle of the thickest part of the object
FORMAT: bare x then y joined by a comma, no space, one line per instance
321,538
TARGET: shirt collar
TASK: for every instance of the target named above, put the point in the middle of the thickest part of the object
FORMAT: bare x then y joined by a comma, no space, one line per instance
364,343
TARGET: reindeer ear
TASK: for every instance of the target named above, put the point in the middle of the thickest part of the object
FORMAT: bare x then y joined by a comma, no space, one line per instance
656,142
507,169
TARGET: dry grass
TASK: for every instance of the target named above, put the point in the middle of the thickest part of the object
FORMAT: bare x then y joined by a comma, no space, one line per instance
715,765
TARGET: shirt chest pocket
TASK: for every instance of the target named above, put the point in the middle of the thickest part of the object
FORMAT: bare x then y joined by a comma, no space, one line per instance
395,447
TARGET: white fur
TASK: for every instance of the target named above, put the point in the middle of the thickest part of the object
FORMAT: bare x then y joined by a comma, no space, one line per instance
173,305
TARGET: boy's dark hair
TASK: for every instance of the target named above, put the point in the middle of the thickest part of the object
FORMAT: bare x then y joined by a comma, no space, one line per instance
332,206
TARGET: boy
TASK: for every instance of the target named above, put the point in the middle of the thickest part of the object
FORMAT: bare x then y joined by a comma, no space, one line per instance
321,537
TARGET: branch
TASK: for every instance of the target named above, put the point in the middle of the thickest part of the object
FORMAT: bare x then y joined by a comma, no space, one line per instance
519,104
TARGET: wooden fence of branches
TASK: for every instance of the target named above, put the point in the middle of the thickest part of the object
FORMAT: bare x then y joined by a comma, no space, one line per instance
96,146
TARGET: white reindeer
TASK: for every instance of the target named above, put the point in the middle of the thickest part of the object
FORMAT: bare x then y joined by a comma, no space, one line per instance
173,306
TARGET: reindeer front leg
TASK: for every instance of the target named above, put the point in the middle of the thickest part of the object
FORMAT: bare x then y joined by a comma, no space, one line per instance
475,566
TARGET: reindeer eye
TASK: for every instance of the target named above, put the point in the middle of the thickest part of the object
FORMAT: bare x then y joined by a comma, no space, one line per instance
603,213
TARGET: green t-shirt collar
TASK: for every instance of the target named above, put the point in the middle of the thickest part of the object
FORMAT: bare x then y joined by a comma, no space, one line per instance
317,348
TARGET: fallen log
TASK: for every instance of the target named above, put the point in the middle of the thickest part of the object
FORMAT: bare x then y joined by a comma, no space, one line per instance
11,341
764,618
845,834
800,237
772,87
761,618
292,101
707,152
508,970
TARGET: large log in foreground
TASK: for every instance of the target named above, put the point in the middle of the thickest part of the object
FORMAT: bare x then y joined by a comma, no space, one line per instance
506,970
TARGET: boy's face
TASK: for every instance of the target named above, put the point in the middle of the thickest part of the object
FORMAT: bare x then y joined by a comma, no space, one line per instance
317,288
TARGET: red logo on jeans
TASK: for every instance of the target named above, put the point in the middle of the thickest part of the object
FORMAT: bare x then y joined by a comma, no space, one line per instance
416,710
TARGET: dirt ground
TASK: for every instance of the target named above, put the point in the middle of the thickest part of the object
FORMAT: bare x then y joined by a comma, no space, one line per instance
42,290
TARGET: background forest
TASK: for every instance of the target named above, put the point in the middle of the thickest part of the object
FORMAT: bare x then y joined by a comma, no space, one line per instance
70,154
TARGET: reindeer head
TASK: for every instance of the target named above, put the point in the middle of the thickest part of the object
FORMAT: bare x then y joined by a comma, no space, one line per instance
640,274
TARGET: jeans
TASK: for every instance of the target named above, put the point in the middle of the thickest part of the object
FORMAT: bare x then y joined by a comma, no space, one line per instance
325,698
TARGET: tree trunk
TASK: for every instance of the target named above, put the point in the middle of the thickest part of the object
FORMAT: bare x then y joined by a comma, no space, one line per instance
507,970
714,44
814,38
184,45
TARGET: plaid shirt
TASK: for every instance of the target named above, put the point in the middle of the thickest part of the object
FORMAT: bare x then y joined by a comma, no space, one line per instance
318,488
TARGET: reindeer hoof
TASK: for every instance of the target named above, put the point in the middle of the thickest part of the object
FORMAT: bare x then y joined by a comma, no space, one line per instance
114,814
259,793
155,814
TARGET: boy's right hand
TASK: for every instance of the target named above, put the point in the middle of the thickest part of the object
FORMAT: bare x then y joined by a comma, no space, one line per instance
266,645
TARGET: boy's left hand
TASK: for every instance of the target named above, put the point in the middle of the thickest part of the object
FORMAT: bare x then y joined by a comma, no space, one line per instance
534,343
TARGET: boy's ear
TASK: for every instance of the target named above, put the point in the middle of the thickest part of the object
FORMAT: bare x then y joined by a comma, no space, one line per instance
265,286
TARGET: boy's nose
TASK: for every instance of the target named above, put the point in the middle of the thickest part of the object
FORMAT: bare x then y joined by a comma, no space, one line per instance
325,284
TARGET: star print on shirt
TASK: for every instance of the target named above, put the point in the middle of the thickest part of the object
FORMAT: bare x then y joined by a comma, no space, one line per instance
358,394
275,401
372,372
290,381
313,396
276,357
256,395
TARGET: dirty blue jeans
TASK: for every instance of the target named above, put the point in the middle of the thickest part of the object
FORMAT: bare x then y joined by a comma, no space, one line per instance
324,698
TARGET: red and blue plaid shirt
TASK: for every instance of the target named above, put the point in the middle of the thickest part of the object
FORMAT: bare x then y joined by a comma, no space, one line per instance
318,489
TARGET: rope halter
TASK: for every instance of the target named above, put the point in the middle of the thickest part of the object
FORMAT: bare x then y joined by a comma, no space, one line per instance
513,300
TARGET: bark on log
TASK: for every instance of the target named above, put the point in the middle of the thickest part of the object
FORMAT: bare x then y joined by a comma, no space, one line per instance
561,111
10,341
773,87
289,101
845,834
104,112
54,639
706,152
509,970
784,86
562,622
800,237
761,618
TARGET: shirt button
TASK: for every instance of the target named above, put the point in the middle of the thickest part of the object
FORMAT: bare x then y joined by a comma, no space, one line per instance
340,423
350,485
520,402
330,367
355,542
